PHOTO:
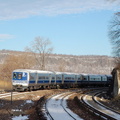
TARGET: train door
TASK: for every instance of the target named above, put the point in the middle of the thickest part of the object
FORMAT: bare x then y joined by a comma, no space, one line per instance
63,79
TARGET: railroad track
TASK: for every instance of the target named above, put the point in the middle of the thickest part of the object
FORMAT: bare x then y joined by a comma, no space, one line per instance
95,99
56,107
4,95
89,101
9,94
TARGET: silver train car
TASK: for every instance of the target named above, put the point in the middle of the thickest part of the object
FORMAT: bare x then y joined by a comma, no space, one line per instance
26,79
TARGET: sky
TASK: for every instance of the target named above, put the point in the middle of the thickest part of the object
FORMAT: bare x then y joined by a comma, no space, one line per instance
74,27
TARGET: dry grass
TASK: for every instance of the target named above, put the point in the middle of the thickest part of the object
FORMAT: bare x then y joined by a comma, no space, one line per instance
5,85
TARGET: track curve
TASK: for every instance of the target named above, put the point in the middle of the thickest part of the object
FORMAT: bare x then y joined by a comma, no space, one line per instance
99,109
57,109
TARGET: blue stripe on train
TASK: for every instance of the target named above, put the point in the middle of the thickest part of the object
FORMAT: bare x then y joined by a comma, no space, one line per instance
52,81
71,81
58,81
79,81
43,81
47,81
31,81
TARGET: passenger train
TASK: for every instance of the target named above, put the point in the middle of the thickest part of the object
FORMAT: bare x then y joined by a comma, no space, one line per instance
26,79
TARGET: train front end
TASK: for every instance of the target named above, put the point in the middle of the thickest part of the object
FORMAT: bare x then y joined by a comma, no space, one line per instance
19,80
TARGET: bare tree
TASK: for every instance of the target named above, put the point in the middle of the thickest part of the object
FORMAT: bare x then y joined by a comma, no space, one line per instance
62,65
41,48
114,34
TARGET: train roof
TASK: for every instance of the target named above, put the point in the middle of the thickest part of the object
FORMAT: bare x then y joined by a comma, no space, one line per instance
66,73
58,73
29,70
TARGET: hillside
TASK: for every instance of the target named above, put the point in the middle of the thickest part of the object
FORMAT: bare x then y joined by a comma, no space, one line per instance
93,64
83,64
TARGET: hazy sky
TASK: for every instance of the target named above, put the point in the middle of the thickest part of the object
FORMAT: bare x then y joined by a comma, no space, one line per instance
77,27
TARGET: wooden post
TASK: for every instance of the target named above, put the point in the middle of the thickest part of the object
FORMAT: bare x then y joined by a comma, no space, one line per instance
11,97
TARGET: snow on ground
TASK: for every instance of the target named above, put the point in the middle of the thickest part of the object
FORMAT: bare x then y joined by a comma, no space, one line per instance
20,117
68,110
18,112
56,110
29,101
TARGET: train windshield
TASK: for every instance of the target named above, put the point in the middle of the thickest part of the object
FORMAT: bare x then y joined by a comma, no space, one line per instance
17,75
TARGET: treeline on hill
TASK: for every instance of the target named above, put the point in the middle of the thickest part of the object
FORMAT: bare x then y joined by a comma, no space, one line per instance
11,60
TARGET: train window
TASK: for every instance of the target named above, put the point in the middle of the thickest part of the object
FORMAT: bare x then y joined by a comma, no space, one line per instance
47,77
17,75
31,77
20,76
14,75
58,78
66,78
53,78
104,79
42,78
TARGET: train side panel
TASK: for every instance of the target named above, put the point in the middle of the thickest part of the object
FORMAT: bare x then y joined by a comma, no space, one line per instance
94,80
84,80
25,79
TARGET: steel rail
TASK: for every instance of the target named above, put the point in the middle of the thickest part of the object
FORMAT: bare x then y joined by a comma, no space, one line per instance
47,111
94,99
94,110
61,103
64,107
